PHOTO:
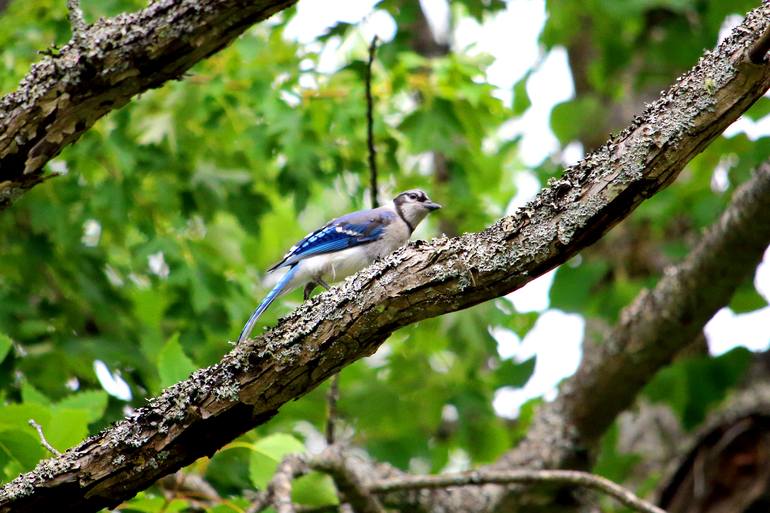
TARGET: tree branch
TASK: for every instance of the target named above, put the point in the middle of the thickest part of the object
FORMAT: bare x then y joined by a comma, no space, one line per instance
566,477
671,316
102,68
332,416
280,486
197,416
332,461
356,493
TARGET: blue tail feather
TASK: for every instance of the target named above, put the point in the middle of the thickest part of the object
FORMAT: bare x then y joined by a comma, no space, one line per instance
246,331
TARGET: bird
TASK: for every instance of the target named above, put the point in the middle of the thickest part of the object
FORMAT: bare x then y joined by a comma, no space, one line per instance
344,246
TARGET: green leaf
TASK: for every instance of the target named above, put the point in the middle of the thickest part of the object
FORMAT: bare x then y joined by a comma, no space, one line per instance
433,129
144,503
30,394
227,507
521,100
692,386
571,119
521,323
153,129
315,489
759,110
18,415
612,463
514,374
5,345
21,446
92,402
267,453
747,299
68,427
173,364
572,286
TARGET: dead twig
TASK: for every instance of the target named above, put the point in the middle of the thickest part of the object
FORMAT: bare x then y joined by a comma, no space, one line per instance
370,125
278,491
334,463
43,441
331,404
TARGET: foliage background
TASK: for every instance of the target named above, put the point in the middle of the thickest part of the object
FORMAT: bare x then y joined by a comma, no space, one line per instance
147,253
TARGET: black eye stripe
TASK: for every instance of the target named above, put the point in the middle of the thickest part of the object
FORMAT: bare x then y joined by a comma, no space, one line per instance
412,196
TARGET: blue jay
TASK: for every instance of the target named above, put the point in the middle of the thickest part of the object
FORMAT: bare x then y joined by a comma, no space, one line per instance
346,245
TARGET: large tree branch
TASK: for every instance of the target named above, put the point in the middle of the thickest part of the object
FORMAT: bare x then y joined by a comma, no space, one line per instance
101,68
199,415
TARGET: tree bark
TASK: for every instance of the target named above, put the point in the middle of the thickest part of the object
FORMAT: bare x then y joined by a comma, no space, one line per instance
197,416
102,68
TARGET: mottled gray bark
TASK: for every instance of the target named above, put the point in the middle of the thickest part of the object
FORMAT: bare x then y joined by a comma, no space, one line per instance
199,415
101,68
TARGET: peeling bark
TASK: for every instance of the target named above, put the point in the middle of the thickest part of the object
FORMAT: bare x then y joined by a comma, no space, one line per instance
101,68
197,416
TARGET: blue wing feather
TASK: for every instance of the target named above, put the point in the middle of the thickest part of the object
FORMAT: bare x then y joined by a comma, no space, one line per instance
344,232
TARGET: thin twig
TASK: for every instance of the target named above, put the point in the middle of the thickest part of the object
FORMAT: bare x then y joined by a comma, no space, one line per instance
573,477
259,503
43,441
334,463
77,20
191,486
758,51
370,125
331,406
280,486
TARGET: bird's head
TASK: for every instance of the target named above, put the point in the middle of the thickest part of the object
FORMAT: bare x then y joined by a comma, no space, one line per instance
413,205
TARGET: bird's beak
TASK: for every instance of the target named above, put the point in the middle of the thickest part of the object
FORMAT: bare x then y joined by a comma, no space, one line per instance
430,205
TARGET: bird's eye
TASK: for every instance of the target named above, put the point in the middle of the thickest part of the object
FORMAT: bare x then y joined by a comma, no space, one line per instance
412,196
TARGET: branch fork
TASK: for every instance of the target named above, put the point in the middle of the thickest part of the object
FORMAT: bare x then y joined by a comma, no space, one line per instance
361,496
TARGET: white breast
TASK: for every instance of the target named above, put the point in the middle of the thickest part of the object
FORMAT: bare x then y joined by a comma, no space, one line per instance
332,266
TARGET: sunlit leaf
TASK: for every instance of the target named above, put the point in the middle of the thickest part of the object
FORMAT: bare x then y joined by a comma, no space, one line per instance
5,345
315,489
173,364
267,453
